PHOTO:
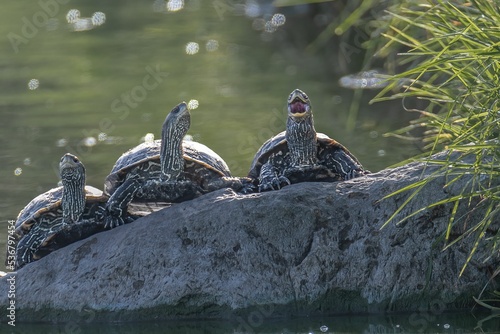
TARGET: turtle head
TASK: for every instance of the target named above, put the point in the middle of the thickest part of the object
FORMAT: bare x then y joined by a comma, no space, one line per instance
177,121
299,105
174,129
71,169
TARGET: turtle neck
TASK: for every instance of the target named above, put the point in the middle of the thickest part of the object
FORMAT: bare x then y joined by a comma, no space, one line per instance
301,140
73,197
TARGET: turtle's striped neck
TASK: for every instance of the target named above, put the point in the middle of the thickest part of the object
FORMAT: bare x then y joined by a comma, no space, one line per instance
172,162
301,140
73,199
72,173
173,131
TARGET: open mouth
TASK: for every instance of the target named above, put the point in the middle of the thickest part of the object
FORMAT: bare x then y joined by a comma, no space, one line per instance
297,106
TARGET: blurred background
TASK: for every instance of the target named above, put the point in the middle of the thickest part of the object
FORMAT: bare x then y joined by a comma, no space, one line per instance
94,78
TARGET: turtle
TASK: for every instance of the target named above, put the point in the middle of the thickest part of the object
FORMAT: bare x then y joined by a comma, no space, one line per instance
172,169
300,154
59,216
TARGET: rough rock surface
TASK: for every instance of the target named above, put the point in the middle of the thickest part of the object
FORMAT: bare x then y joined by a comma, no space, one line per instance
308,249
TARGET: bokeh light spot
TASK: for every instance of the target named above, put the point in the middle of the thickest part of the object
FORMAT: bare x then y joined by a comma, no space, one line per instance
98,18
73,15
252,9
89,141
193,104
33,84
61,142
212,45
192,48
175,5
102,136
148,138
278,20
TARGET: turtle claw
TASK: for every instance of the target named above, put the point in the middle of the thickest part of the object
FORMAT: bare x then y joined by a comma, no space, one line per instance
111,222
247,186
66,226
274,183
356,173
284,181
110,219
101,214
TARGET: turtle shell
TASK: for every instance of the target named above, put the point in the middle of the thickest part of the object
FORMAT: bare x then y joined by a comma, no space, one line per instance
277,145
50,201
40,229
149,152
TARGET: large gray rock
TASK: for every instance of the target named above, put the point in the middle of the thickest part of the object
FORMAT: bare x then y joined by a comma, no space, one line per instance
310,248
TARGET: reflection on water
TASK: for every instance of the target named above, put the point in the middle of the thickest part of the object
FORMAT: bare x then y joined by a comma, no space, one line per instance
78,23
428,323
372,79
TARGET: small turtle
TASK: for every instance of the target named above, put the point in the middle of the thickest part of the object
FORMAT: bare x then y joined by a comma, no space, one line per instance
59,216
300,154
171,169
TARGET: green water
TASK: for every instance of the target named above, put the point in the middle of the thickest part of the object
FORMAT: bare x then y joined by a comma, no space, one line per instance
98,92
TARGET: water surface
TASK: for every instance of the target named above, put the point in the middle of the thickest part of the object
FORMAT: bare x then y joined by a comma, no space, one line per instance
419,322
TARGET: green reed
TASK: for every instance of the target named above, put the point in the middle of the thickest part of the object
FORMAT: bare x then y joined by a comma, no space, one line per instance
452,65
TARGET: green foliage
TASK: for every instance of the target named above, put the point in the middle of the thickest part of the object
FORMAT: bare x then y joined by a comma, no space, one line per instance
454,51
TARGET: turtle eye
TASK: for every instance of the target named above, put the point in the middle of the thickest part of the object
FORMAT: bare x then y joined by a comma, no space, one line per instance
75,159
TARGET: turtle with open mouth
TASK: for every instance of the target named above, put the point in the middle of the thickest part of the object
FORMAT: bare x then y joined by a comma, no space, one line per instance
300,154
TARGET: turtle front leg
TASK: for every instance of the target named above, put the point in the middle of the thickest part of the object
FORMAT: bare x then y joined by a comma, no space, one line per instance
271,179
243,185
29,244
25,249
313,173
344,164
178,190
115,212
